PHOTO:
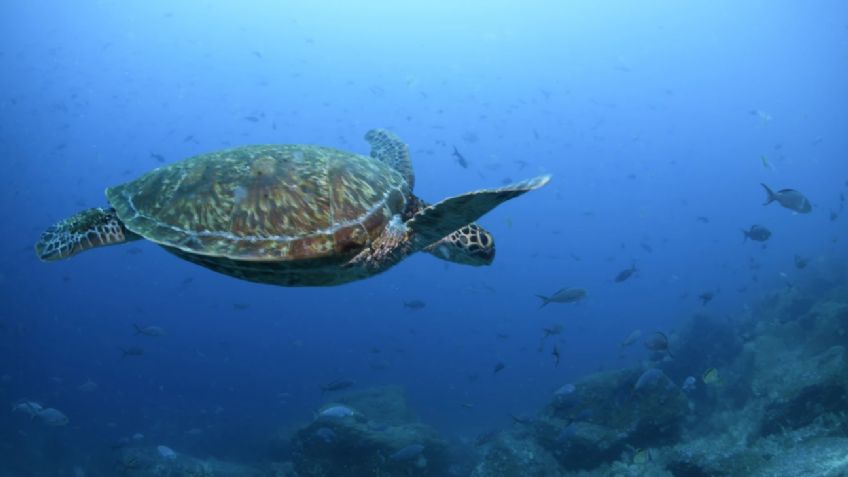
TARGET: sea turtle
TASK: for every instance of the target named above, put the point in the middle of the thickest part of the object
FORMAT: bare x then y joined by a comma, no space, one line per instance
290,215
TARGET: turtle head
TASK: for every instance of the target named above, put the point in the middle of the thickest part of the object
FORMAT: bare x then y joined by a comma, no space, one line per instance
469,245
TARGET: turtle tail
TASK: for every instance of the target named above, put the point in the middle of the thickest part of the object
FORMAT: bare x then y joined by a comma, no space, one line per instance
90,228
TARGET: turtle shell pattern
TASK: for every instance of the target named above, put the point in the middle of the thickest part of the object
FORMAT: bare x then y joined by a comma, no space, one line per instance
264,203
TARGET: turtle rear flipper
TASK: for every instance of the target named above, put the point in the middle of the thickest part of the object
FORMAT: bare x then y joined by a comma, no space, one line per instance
436,221
88,229
469,245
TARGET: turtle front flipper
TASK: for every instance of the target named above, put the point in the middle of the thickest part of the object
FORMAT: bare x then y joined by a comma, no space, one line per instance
469,245
88,229
436,221
386,147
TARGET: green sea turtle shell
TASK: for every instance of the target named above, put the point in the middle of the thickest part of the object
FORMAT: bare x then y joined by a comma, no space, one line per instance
267,203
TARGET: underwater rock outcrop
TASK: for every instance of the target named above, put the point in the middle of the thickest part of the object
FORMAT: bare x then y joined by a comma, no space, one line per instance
610,411
511,454
805,389
603,416
371,432
163,462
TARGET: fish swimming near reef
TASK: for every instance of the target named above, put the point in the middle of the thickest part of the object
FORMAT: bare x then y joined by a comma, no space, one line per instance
625,274
706,297
460,159
801,262
30,408
564,295
336,412
414,304
52,417
152,331
648,379
631,338
406,453
788,198
711,376
132,351
658,343
757,233
337,385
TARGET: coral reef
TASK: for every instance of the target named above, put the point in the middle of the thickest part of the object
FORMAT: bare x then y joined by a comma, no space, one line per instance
371,432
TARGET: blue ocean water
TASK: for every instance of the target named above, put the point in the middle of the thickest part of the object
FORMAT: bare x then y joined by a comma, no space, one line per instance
656,120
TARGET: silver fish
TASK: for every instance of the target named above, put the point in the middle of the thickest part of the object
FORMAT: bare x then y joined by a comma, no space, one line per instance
564,295
789,198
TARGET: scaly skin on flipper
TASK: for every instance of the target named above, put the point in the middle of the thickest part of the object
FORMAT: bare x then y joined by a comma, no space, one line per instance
470,245
88,229
436,221
389,149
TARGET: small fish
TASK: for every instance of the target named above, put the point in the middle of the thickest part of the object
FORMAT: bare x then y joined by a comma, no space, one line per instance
158,157
460,159
499,367
257,54
762,115
625,274
706,297
555,353
523,420
88,386
52,417
766,163
407,453
166,453
631,338
190,138
336,412
414,304
30,408
241,306
132,351
711,376
757,233
658,343
564,295
702,219
325,434
252,119
641,456
565,390
788,198
337,385
152,331
552,330
649,379
646,247
801,262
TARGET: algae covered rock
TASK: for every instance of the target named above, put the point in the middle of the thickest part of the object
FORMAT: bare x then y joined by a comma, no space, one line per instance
804,389
371,432
609,412
162,461
511,455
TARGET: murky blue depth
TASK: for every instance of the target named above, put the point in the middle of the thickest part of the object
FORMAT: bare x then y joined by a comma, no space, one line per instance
645,313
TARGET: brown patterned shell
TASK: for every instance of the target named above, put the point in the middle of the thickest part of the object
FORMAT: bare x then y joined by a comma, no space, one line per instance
264,203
